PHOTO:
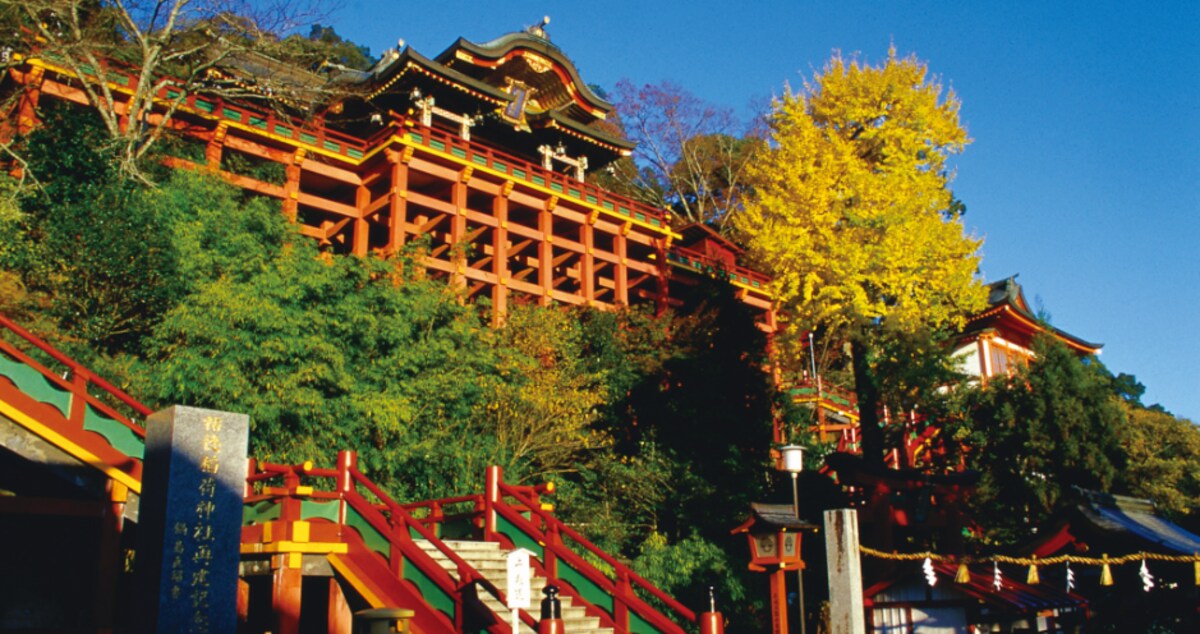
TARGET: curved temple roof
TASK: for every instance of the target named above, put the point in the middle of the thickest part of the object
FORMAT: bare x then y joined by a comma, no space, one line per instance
1006,301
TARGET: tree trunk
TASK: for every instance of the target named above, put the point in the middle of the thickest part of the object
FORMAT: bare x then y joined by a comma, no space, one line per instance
866,389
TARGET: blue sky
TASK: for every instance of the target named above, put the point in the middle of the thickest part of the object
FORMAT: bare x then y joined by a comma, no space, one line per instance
1084,173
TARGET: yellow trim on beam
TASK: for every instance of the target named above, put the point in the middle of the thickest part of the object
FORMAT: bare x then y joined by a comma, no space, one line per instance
310,548
63,443
374,600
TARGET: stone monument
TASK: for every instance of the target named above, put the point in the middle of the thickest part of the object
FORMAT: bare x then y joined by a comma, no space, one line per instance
189,524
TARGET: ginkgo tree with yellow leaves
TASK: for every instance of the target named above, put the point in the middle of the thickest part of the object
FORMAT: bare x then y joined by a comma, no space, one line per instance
853,214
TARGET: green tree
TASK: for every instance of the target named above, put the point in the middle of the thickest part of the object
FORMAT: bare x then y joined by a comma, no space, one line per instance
1164,460
1033,435
323,352
691,156
321,47
92,242
543,408
853,215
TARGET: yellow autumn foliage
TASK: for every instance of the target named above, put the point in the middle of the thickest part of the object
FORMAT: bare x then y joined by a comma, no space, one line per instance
852,211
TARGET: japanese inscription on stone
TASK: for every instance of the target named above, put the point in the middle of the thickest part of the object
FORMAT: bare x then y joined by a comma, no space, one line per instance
190,516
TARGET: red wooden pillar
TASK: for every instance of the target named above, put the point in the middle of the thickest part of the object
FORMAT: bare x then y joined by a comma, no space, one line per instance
621,273
285,592
546,251
398,216
339,619
243,603
27,107
458,229
362,231
500,254
663,293
587,262
110,560
212,152
291,187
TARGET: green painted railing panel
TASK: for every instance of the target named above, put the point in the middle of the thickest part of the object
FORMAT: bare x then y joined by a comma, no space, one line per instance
538,180
354,152
437,145
519,173
459,152
283,130
415,136
260,512
504,168
34,384
518,537
556,187
588,590
433,595
575,193
206,106
374,540
121,437
332,146
322,509
638,625
258,122
308,138
479,158
230,113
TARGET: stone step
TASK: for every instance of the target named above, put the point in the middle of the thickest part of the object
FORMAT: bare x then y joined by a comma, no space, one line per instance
490,561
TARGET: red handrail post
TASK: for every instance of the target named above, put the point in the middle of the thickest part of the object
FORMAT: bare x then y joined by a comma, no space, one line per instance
712,623
346,460
549,560
491,497
251,467
621,594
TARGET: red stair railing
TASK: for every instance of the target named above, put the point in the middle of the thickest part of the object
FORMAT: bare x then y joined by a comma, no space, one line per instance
549,534
71,407
387,519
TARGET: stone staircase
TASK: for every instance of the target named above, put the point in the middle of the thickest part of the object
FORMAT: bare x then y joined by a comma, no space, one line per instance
490,561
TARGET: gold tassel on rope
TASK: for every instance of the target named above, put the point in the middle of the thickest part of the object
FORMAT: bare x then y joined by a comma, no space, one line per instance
1033,579
1105,572
963,575
1196,567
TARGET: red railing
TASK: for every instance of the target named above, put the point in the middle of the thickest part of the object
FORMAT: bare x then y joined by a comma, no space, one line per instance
389,519
355,148
705,264
550,532
124,78
484,155
74,378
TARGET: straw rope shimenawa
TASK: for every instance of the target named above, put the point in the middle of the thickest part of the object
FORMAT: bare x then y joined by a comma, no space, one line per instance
1033,562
